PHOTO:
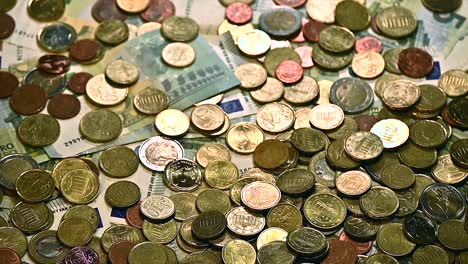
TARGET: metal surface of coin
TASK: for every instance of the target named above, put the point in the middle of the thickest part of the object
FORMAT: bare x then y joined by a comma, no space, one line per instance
290,23
101,126
368,44
270,154
270,235
417,157
74,232
157,207
302,92
391,57
209,225
309,140
432,98
57,37
326,116
397,176
353,183
251,75
336,39
337,156
64,106
347,128
238,249
46,248
185,205
10,83
46,11
80,186
442,202
275,57
178,54
454,83
363,146
427,133
295,181
7,5
122,194
302,117
144,251
35,185
118,253
38,130
243,222
352,95
286,216
122,72
13,238
212,151
368,64
119,161
452,235
330,60
420,229
118,233
340,252
456,112
459,153
162,233
272,90
213,200
289,72
415,62
254,42
260,195
323,173
156,152
133,6
381,259
397,22
158,11
435,253
274,252
148,27
207,117
324,211
392,132
103,93
401,94
65,166
244,137
360,19
134,216
221,174
52,84
183,29
186,236
86,51
392,241
83,211
239,13
112,32
172,122
77,82
361,228
361,247
29,218
307,241
379,202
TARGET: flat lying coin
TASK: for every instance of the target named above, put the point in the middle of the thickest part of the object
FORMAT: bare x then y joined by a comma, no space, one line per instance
280,22
178,54
326,116
221,174
392,241
172,122
271,91
352,95
236,249
54,251
244,137
118,233
207,117
112,32
260,195
360,18
35,185
157,207
254,43
212,151
46,11
14,239
28,99
57,37
122,194
74,232
119,161
270,235
183,175
275,117
80,186
64,106
244,223
363,146
415,62
454,83
368,64
251,75
379,202
151,101
122,72
103,93
336,39
397,22
38,130
156,152
183,29
83,211
324,211
302,92
101,126
162,233
270,154
392,132
353,183
401,94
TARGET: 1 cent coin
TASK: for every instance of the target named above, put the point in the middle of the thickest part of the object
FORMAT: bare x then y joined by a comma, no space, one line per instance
64,106
119,251
9,84
84,50
239,13
8,25
28,99
77,83
415,62
54,63
289,72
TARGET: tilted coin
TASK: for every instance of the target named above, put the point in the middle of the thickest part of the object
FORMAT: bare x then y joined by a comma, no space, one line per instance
363,146
420,229
397,22
352,95
275,57
156,152
172,122
361,228
209,225
295,181
38,130
336,39
254,42
391,57
103,93
326,116
177,28
213,200
80,186
83,211
238,249
251,75
401,94
52,84
118,233
101,125
212,151
409,202
145,251
442,202
178,54
275,117
122,194
272,90
302,92
392,241
186,238
309,140
270,235
112,32
213,100
122,72
243,222
182,175
379,202
368,64
398,176
417,157
46,248
353,183
157,207
65,166
244,137
337,156
270,154
35,185
324,174
285,216
454,83
432,98
274,252
119,161
459,153
74,232
330,60
260,195
46,11
64,106
452,235
280,22
307,241
324,211
392,132
12,238
221,174
133,6
207,117
162,233
381,258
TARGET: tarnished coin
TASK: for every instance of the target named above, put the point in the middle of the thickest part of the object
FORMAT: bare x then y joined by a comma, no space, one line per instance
178,54
420,229
254,43
46,11
392,241
417,157
352,95
207,117
38,217
212,151
347,128
145,251
122,194
360,18
274,252
368,64
122,72
340,252
415,62
244,137
38,130
427,133
7,5
74,232
133,6
391,58
209,225
101,126
311,30
243,222
83,211
118,252
398,177
307,241
361,228
337,156
324,211
271,91
454,83
302,92
442,202
280,22
157,207
456,114
118,233
392,132
112,32
260,195
212,200
65,166
77,82
353,183
183,175
185,205
452,235
162,233
187,240
442,6
309,140
361,247
435,253
295,181
397,21
85,50
363,146
379,202
221,174
28,99
52,84
336,39
64,106
239,249
432,99
289,72
251,75
54,63
330,60
35,185
270,235
103,93
80,186
459,153
270,154
172,122
156,152
401,94
176,28
285,216
9,84
158,11
326,116
12,238
381,258
151,101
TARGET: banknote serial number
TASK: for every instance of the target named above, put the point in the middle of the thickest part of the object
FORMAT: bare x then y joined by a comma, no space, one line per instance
71,142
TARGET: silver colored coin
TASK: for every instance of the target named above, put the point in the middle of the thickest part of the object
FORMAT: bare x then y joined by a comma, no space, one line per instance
392,132
157,207
178,54
12,166
122,72
156,152
243,222
352,95
183,175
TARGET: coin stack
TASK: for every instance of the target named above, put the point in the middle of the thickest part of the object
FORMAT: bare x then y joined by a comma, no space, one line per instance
287,167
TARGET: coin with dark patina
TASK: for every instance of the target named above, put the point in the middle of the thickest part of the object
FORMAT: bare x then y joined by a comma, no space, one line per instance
209,225
280,22
457,111
119,251
82,255
312,30
459,153
9,84
341,252
366,122
77,83
8,25
270,154
28,99
9,256
415,62
352,95
134,216
420,229
442,6
54,63
158,11
64,106
84,50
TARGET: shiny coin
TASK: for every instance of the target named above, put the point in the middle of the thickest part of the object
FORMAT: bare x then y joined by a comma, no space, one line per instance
77,83
85,212
133,6
322,11
307,241
324,174
213,200
212,151
74,232
392,132
417,157
270,154
243,222
244,137
397,22
172,122
221,174
401,94
275,251
28,99
101,126
270,235
398,176
392,241
275,117
360,18
447,172
272,90
156,152
280,22
57,37
326,116
148,27
178,54
80,186
254,43
53,84
122,194
353,183
379,202
122,72
54,64
427,133
35,185
112,32
324,211
251,75
119,162
454,83
363,146
158,11
415,62
450,207
352,95
336,39
183,29
37,220
435,253
238,249
260,195
38,130
420,229
65,166
13,239
53,250
305,52
286,216
157,207
207,117
459,153
103,93
151,101
209,225
368,64
162,233
118,233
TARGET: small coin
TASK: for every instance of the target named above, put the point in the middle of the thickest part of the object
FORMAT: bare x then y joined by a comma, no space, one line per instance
122,194
368,44
133,6
239,13
57,37
275,117
38,130
122,72
368,64
452,235
289,72
103,93
112,32
330,60
182,29
157,207
209,225
260,195
213,200
391,58
360,18
118,252
270,154
324,211
244,223
77,83
280,22
238,249
326,116
101,126
244,137
363,146
379,202
39,216
28,99
158,11
454,83
254,42
185,205
9,84
392,132
353,183
119,161
271,91
156,152
107,10
74,232
396,21
427,133
80,186
172,122
190,242
53,250
207,117
398,176
336,39
84,50
53,84
46,11
309,140
457,113
178,54
134,216
401,94
151,101
415,62
14,239
437,255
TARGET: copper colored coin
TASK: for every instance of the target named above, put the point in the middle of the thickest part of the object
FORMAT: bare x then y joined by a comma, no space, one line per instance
305,52
342,252
158,11
415,62
119,251
312,30
9,256
64,106
28,99
84,50
85,255
54,63
8,25
239,13
77,83
361,247
300,36
9,84
107,10
374,27
134,216
368,44
290,3
366,122
289,71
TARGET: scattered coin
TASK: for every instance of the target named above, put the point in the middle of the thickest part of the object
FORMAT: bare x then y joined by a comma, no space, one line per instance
46,11
172,122
360,18
326,116
361,99
207,117
415,62
38,130
289,72
353,183
178,54
280,22
271,91
261,39
275,117
64,106
336,39
182,29
84,50
8,25
9,84
368,64
133,6
156,152
158,11
454,83
368,44
396,22
122,72
112,32
239,13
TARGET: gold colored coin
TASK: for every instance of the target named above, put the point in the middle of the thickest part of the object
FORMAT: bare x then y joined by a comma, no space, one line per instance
212,151
324,94
251,75
162,233
75,232
151,101
172,122
133,6
207,117
272,90
275,117
238,249
101,92
244,137
178,54
122,72
80,186
221,174
148,27
270,235
35,185
65,166
368,64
